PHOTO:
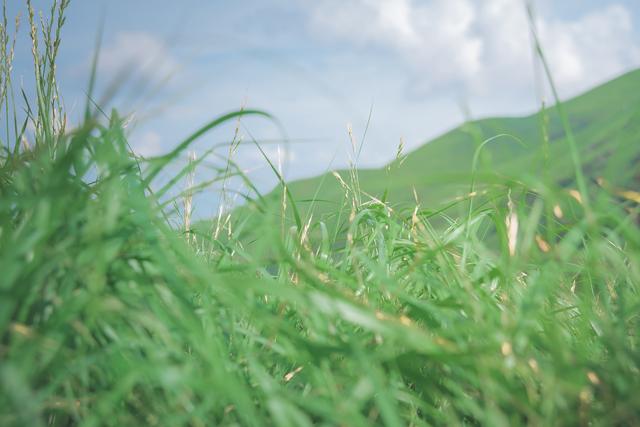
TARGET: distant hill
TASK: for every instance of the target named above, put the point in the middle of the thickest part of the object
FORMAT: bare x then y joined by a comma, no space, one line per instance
605,122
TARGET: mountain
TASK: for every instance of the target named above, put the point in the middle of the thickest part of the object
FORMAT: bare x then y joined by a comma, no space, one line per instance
605,122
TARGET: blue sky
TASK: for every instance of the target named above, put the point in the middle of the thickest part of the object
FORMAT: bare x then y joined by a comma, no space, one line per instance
321,65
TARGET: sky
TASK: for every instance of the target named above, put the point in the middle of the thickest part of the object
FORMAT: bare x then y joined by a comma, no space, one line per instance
412,69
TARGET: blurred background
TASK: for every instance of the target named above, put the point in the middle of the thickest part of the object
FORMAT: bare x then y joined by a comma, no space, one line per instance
411,69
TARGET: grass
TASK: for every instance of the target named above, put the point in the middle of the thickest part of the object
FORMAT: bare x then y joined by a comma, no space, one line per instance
522,310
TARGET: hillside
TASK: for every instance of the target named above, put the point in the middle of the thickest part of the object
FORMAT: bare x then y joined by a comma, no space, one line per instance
605,122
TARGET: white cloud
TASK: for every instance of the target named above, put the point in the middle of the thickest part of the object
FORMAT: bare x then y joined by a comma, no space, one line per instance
596,46
138,52
139,64
436,37
483,47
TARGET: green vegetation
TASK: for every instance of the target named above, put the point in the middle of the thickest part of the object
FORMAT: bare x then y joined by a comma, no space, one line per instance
516,303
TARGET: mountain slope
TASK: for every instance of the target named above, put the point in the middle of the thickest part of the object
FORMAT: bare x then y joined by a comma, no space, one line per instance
605,122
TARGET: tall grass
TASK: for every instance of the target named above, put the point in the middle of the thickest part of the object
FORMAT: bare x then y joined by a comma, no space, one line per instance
382,316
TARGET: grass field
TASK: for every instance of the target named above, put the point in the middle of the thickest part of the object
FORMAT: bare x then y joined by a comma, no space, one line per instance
503,294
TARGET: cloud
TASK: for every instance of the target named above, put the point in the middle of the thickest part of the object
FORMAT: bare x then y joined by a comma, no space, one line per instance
595,46
139,52
436,37
482,47
137,66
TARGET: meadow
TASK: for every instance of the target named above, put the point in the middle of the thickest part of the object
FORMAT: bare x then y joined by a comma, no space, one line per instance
502,292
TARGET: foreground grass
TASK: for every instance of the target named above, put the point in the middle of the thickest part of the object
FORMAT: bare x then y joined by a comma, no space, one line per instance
522,310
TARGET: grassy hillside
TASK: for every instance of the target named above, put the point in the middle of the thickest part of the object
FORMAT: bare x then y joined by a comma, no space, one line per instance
605,121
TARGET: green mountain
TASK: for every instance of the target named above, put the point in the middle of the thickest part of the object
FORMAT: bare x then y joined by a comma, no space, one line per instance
605,122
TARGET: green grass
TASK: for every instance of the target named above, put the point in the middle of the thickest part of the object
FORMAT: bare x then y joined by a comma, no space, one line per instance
374,313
